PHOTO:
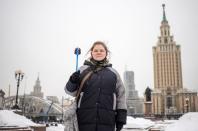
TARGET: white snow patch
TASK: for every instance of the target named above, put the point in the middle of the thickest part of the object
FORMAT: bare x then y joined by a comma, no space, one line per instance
188,122
9,118
138,123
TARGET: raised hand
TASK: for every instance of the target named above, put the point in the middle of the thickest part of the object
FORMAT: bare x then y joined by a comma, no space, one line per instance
75,77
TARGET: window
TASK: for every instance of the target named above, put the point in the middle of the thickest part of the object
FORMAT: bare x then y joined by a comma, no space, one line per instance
165,40
169,102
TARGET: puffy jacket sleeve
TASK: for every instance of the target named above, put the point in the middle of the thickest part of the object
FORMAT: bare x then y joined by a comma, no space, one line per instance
121,108
71,88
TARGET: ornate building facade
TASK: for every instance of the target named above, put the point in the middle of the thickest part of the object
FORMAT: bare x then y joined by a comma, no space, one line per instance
169,96
134,103
37,89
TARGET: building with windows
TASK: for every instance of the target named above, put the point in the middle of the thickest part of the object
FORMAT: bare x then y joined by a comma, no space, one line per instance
134,103
37,89
169,96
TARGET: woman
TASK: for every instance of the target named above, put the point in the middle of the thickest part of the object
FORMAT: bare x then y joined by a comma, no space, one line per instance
102,104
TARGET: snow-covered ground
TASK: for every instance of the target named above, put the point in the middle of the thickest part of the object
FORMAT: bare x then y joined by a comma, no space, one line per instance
138,123
187,122
9,118
141,124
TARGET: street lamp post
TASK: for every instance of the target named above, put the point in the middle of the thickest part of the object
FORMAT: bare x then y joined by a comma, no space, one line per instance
19,77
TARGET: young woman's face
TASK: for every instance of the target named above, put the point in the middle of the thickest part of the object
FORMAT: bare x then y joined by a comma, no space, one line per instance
98,53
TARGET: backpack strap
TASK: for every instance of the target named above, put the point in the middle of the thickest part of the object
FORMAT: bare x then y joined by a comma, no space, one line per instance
82,83
84,79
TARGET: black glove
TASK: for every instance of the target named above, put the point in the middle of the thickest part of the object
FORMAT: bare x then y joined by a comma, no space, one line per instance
118,129
119,126
75,77
121,116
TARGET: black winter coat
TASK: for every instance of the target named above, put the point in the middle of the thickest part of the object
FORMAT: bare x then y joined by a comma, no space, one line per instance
98,105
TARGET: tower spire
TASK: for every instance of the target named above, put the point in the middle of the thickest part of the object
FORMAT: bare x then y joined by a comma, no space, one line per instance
164,14
38,76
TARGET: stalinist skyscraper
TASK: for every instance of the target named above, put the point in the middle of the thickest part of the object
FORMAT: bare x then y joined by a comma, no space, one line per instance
167,59
37,89
168,95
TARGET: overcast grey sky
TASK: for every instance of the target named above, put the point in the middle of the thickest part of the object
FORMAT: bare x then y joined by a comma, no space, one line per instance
41,35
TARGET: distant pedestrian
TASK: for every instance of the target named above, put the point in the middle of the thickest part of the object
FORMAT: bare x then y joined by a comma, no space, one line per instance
102,104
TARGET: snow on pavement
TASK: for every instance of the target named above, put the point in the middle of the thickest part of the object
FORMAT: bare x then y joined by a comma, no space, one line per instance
188,122
138,123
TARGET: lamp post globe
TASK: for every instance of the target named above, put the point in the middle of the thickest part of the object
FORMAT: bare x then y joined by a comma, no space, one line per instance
19,77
